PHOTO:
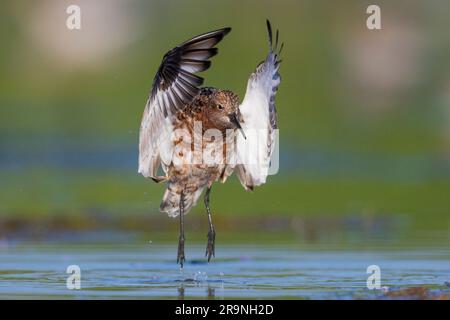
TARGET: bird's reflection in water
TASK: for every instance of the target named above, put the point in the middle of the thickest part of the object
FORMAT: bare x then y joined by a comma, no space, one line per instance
210,289
181,292
211,293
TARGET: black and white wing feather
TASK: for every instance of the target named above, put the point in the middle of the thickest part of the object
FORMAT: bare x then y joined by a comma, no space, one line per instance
259,120
174,86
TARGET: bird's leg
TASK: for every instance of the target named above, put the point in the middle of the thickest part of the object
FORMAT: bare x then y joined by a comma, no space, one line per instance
210,247
180,256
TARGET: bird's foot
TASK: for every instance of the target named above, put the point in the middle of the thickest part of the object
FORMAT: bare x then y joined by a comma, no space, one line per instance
180,256
210,247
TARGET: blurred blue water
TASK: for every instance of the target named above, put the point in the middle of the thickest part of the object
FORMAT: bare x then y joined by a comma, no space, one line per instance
59,153
31,271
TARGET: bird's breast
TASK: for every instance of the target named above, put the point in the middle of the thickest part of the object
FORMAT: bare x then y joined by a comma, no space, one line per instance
199,151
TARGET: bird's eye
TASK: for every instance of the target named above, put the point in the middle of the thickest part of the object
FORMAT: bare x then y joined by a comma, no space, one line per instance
220,106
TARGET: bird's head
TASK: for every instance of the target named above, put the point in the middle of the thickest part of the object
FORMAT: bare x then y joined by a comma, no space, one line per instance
224,111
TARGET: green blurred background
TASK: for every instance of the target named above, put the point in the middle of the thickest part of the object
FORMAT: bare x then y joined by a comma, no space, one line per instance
364,119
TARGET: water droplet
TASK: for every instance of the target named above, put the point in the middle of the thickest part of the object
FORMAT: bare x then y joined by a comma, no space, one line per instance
200,276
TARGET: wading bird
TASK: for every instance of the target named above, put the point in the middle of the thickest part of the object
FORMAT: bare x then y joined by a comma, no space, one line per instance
178,102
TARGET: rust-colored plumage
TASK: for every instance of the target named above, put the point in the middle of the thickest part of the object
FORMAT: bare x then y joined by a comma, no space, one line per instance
184,124
213,109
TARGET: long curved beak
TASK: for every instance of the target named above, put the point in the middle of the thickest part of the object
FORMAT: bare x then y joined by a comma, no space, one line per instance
235,121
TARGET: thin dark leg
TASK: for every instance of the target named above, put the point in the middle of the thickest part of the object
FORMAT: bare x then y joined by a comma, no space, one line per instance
180,257
210,247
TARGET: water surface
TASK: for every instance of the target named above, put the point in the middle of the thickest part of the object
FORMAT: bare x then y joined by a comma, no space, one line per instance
150,272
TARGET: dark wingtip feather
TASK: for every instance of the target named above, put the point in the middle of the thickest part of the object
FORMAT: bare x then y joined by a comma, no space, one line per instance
276,39
221,33
226,30
269,31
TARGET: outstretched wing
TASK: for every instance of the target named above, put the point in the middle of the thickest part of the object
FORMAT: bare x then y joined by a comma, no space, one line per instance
259,120
174,86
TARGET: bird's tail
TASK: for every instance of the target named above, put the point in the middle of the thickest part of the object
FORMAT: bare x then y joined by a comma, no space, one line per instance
170,203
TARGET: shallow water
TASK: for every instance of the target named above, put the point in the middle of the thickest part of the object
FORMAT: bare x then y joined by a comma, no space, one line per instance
150,272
